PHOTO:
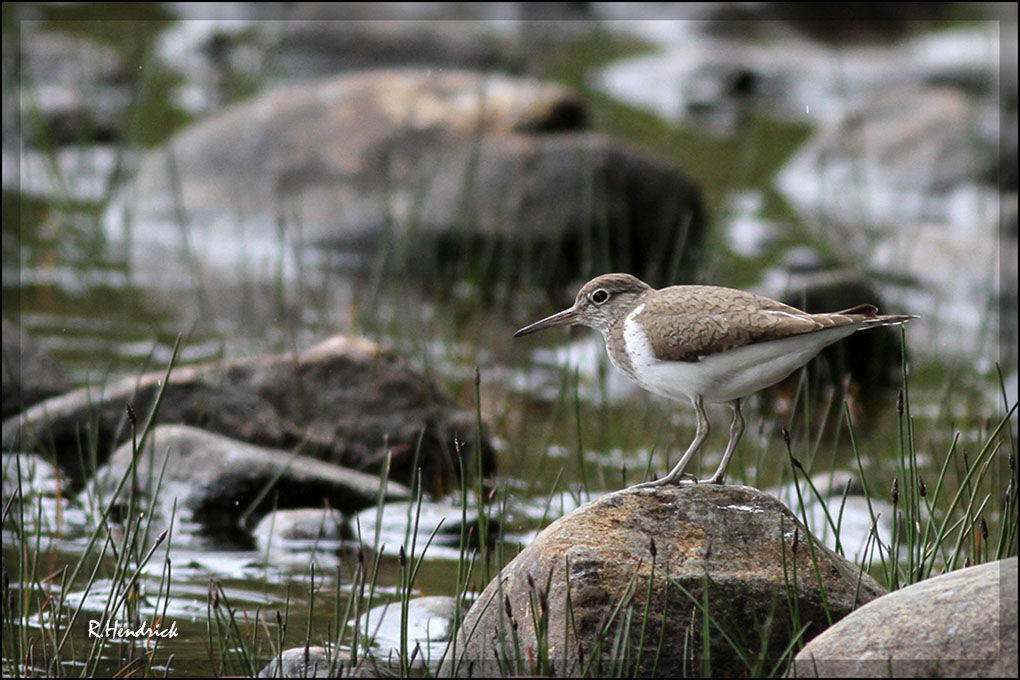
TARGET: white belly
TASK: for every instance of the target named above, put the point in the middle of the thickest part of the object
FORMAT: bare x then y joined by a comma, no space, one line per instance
727,375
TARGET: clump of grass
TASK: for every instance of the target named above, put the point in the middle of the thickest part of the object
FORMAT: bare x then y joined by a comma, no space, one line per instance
42,623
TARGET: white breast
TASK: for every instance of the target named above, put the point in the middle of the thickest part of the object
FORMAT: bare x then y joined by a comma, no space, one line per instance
727,375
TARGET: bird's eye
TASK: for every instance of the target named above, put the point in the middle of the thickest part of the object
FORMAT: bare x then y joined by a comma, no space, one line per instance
599,296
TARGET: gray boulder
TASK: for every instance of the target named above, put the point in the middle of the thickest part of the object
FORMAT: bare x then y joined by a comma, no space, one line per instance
581,589
414,168
961,624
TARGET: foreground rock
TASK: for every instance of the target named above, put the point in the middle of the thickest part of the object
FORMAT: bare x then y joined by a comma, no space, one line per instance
414,168
345,400
961,624
221,481
734,549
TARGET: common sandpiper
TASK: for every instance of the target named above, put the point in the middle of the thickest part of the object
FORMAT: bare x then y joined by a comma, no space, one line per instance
705,344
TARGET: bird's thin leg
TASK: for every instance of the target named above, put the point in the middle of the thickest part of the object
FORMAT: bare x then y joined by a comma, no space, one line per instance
736,432
677,472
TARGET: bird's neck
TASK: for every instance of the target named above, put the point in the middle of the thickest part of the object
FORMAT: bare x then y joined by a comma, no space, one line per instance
616,348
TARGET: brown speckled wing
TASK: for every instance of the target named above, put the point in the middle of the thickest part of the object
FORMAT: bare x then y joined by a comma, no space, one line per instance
691,322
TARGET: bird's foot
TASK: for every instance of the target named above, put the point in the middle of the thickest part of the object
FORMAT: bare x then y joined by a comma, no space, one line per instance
668,479
714,479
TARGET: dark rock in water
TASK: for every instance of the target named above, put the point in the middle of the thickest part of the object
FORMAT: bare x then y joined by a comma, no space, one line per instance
318,662
586,580
345,400
481,174
958,625
30,374
317,45
218,479
864,22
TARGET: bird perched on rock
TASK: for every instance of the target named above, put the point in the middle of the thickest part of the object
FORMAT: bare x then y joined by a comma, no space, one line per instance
705,343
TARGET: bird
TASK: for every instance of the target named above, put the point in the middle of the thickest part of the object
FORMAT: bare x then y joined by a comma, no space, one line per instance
705,344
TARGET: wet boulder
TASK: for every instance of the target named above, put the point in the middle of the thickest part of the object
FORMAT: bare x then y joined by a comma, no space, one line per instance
901,182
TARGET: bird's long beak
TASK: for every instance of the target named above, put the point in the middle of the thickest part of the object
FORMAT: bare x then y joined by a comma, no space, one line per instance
568,317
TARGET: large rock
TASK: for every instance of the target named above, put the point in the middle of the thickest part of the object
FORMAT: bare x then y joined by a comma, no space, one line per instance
900,175
345,400
961,624
298,40
736,549
482,173
216,479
